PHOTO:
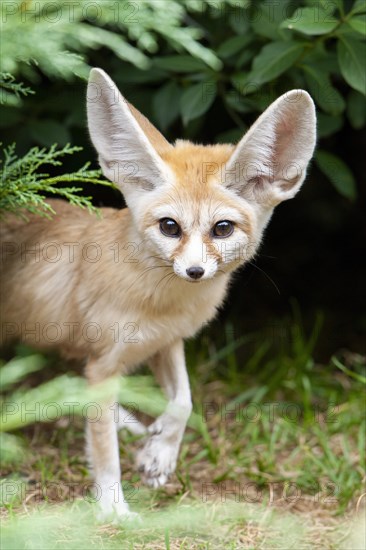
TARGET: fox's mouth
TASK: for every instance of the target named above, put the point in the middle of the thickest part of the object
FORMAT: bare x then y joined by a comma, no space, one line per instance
205,278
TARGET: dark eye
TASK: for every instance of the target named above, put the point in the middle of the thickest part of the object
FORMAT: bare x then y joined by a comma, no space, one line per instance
169,227
223,229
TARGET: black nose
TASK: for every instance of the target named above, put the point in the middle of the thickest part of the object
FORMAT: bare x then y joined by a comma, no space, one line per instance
195,272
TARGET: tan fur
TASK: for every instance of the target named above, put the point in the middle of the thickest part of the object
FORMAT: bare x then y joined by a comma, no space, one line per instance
188,160
156,139
116,292
86,292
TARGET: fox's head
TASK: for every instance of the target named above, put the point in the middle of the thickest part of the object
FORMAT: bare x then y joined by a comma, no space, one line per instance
202,208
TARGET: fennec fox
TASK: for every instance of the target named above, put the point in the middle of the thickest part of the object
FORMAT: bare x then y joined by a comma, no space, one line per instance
130,287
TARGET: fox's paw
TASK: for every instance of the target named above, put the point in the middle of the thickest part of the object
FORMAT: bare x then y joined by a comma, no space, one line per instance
157,460
156,463
117,513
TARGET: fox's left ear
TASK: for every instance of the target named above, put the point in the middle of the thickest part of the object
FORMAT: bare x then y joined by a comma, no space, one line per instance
269,164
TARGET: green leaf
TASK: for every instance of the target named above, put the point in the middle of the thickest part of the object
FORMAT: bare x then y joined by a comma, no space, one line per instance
337,172
166,104
347,371
351,57
328,124
234,45
197,99
132,75
312,21
230,136
359,6
18,368
179,63
356,110
246,57
274,59
339,4
47,132
239,80
238,19
237,102
324,59
322,90
267,17
358,23
195,48
330,7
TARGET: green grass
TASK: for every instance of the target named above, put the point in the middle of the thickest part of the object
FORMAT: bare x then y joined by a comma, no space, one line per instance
274,455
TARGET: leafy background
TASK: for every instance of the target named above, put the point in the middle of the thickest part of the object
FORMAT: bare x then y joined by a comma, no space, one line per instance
204,71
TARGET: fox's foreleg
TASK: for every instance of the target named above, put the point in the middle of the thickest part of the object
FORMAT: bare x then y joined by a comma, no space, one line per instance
158,458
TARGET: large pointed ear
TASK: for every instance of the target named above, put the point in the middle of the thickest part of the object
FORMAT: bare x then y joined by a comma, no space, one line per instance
128,145
269,163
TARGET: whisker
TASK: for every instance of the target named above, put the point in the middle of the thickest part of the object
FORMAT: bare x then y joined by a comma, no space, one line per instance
162,279
169,280
266,275
145,271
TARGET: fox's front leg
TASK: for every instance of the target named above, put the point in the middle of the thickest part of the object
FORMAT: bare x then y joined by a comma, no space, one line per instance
158,458
103,453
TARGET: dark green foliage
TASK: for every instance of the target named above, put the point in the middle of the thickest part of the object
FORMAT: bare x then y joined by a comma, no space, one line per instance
22,187
188,63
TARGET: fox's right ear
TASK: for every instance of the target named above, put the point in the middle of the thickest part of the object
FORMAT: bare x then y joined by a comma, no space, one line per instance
128,145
